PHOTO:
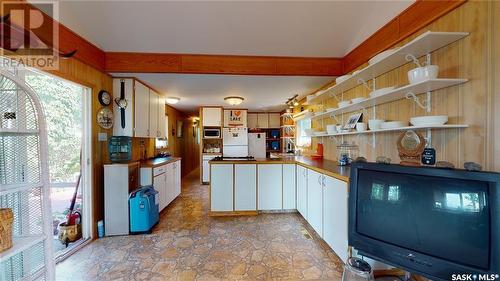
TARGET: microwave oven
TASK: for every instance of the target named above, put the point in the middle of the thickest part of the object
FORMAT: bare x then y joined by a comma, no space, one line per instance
211,133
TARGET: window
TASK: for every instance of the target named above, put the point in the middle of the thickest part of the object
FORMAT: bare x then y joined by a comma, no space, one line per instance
302,138
163,143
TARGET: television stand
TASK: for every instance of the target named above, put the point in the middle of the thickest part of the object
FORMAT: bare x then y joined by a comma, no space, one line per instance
395,275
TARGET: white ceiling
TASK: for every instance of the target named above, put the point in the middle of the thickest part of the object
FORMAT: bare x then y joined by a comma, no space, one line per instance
272,28
261,93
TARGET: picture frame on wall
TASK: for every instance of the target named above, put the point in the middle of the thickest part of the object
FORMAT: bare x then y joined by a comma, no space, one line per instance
179,129
351,122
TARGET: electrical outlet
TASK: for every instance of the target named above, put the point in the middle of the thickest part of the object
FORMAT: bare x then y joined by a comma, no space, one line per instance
102,137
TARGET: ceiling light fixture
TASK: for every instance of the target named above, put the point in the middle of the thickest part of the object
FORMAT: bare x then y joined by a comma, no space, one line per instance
173,100
234,100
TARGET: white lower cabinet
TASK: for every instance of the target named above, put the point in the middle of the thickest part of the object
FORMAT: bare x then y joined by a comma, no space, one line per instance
315,201
177,178
289,187
165,179
221,187
335,212
270,183
245,187
160,185
302,191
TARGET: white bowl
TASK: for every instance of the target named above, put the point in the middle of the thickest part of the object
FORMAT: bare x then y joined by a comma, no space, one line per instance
393,124
423,73
342,78
382,55
374,124
356,100
437,120
381,91
344,103
360,127
331,129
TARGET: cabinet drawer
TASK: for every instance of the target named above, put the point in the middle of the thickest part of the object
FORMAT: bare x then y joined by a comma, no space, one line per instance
159,170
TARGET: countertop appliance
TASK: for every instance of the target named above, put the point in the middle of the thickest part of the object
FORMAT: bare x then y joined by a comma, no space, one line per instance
211,133
235,142
120,149
257,145
436,222
245,158
144,210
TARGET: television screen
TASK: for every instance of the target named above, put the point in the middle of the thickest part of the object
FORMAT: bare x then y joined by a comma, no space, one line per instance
440,217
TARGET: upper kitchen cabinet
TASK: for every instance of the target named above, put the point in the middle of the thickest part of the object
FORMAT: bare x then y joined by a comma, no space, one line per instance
212,116
235,118
144,115
252,120
123,88
262,120
162,118
274,120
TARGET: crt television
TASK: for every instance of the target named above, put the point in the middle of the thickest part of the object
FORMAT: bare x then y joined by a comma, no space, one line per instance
443,224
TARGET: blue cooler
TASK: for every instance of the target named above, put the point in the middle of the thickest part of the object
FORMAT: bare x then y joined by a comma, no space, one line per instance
143,210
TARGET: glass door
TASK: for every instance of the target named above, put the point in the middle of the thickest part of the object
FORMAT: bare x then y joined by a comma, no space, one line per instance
67,107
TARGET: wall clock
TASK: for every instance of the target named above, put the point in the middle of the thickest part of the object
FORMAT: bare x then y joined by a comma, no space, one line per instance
105,118
104,98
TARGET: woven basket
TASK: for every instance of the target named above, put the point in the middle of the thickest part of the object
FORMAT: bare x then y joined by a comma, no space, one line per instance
6,219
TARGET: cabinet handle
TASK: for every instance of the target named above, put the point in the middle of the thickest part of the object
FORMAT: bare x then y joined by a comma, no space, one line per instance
323,179
319,179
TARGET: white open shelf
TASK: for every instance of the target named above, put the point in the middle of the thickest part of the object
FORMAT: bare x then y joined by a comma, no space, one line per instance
396,94
20,244
422,45
451,126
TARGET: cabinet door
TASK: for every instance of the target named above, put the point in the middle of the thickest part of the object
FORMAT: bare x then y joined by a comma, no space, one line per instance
212,116
245,187
252,120
153,114
289,187
141,109
160,186
262,120
177,178
274,120
221,187
129,117
162,118
335,212
170,182
315,201
270,187
206,171
302,191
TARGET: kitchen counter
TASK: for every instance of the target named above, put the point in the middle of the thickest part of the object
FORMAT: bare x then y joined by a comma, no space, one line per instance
327,167
155,162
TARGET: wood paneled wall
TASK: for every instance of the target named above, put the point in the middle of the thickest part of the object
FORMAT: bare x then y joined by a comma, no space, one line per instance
186,147
470,103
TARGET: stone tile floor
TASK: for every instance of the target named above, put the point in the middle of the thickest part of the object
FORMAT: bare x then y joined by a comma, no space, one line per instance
189,245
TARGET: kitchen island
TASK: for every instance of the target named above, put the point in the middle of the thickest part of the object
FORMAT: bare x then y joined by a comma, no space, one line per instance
316,188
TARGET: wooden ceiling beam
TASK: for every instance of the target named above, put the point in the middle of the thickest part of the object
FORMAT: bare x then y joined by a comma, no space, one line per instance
221,64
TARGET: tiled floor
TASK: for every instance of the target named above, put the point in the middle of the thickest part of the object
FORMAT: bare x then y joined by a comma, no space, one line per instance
189,245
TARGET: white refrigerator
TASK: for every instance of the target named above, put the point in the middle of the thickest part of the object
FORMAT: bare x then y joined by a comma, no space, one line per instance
235,142
257,145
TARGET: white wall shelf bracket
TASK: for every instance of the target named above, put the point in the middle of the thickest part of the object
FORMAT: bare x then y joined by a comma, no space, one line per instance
422,104
362,81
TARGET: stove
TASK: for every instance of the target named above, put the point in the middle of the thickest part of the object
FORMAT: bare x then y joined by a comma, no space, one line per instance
225,158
